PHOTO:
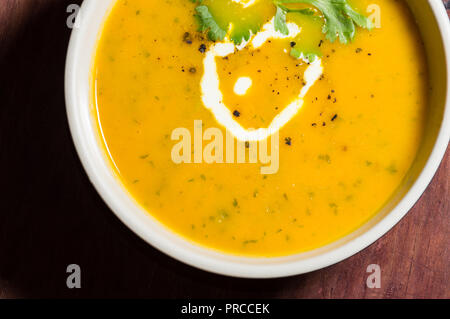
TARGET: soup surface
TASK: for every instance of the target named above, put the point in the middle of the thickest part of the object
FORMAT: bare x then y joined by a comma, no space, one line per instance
341,156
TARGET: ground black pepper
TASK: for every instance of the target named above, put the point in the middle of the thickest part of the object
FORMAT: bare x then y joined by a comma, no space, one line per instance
288,141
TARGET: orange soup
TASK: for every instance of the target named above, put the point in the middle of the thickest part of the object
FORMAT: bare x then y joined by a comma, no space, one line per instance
345,116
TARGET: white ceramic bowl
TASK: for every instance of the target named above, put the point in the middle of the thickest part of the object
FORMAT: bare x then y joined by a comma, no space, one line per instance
434,24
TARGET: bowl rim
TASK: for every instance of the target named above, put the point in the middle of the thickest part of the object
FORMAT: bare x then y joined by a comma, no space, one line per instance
202,258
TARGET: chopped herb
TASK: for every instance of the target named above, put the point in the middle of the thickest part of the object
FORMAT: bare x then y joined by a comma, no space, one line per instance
222,214
325,157
392,169
334,207
236,113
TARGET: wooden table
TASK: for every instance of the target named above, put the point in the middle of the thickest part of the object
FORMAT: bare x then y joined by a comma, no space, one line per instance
51,216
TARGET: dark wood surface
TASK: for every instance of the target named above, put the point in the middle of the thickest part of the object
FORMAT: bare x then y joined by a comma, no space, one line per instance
51,216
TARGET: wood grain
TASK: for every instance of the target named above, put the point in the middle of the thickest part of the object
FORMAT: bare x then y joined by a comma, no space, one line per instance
51,216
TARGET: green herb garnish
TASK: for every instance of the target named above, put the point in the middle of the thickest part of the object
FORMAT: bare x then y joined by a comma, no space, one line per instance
280,21
340,21
239,24
340,18
301,54
207,23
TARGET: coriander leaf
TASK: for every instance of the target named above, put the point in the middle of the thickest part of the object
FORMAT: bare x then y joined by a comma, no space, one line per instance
207,23
280,17
358,18
306,56
340,17
239,22
240,34
280,21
